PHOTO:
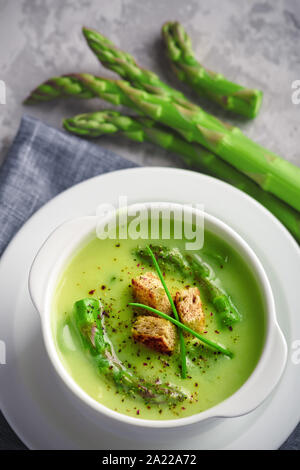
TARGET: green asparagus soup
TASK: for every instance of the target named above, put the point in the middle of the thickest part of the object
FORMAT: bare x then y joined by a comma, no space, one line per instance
93,326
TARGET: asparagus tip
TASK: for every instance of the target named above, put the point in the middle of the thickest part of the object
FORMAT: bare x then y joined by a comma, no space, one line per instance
85,30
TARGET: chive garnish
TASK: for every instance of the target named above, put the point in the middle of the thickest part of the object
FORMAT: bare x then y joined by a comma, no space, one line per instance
181,338
180,325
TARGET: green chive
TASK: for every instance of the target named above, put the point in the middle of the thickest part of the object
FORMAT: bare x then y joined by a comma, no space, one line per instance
210,343
181,338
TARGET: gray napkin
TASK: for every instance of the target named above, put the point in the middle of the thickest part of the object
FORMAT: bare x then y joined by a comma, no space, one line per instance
41,163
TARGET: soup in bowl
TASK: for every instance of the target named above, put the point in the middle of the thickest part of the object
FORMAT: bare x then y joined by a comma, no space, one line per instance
153,331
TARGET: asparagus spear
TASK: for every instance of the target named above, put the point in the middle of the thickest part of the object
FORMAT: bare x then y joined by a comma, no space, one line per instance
228,312
88,323
215,86
144,129
80,85
124,64
227,94
168,258
193,265
267,169
271,172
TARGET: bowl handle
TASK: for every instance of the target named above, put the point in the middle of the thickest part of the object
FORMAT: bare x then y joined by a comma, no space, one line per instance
60,243
262,382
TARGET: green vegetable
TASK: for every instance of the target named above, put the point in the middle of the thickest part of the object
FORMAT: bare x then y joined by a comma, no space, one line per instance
228,313
214,86
143,129
124,65
271,172
193,265
88,322
168,257
82,86
181,338
180,325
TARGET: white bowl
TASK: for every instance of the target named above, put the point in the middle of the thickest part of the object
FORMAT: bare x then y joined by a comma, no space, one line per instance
48,265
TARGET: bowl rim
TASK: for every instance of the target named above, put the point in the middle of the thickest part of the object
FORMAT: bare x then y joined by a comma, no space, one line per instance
218,410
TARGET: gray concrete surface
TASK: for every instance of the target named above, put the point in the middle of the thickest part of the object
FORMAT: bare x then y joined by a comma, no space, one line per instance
254,42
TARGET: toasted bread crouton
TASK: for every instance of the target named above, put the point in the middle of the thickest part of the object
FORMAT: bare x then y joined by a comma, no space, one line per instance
189,308
156,333
147,289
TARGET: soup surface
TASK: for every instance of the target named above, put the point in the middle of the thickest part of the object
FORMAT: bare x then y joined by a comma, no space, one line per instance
103,269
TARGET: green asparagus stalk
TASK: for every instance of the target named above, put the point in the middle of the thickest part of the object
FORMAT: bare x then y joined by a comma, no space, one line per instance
142,129
271,172
194,266
124,65
214,86
227,94
228,312
82,86
169,258
88,323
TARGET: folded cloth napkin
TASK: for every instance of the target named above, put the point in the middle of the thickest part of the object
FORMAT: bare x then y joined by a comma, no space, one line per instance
41,163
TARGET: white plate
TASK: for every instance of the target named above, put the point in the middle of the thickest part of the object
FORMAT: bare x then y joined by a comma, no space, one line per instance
31,397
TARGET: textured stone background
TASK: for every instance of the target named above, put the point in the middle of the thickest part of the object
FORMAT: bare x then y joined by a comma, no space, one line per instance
254,42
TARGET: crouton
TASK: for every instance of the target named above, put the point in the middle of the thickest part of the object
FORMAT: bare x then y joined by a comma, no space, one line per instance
147,289
155,333
189,307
